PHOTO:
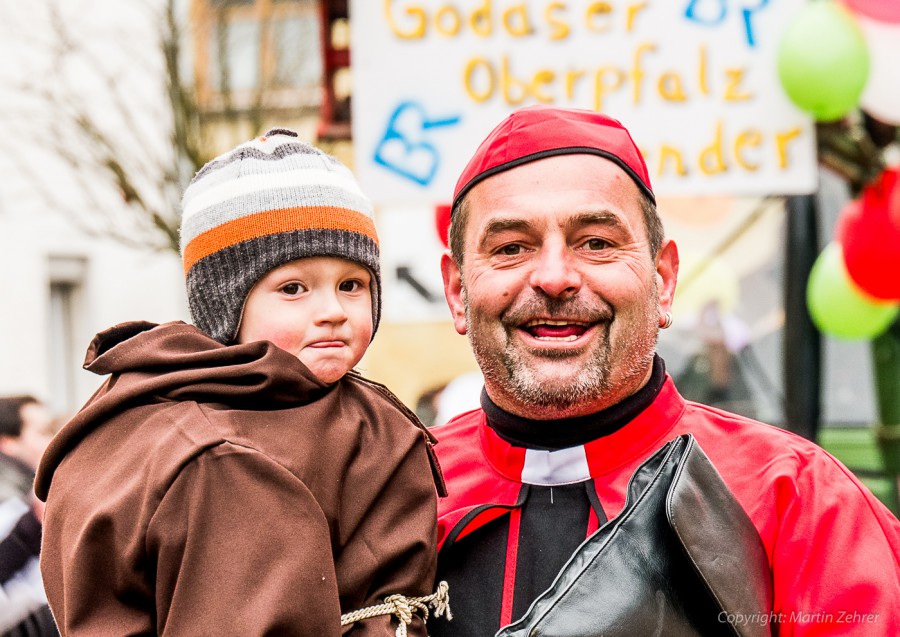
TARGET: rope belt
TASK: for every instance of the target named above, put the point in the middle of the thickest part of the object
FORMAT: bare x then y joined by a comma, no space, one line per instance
404,607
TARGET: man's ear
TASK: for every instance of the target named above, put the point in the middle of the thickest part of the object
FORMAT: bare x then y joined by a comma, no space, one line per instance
667,274
452,275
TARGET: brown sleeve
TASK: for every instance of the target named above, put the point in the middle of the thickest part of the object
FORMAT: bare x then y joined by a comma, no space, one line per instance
393,547
242,548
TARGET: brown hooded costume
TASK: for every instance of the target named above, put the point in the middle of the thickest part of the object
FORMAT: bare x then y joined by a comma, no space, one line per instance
223,490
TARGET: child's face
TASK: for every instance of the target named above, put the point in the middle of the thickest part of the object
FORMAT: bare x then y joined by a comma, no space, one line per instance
319,309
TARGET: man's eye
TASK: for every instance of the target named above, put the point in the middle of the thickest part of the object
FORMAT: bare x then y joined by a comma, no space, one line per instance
596,244
510,250
292,289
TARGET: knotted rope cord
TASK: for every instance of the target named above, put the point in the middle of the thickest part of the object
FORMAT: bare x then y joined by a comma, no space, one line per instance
404,607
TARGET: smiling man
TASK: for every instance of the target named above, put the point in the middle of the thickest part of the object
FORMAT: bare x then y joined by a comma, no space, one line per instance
559,274
555,299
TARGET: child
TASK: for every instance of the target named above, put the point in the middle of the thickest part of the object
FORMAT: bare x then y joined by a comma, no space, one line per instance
237,478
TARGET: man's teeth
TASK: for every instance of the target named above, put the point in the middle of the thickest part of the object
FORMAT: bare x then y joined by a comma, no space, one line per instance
554,323
535,322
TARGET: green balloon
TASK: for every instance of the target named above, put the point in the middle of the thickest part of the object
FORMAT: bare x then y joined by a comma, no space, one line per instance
837,306
823,60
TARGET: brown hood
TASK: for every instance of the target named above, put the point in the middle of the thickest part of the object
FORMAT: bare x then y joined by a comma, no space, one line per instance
153,363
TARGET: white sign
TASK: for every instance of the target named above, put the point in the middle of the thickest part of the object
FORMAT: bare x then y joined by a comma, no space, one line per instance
411,266
695,81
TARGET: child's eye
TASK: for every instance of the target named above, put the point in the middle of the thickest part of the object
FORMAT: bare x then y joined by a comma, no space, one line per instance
351,285
293,289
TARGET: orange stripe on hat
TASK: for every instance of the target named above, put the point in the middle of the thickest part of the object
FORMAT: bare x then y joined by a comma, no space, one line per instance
271,222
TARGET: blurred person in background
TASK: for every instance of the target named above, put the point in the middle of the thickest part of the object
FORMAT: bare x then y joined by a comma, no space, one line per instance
460,395
440,403
25,431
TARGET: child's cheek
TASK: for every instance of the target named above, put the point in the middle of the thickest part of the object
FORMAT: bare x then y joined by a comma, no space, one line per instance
285,337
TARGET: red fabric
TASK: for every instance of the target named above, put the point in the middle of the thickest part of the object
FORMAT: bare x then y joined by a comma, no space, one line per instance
534,131
509,575
593,523
833,547
442,223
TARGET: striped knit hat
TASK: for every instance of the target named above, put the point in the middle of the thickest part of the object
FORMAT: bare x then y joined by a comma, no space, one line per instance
269,201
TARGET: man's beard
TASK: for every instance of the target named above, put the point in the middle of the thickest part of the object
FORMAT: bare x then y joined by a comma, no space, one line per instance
509,365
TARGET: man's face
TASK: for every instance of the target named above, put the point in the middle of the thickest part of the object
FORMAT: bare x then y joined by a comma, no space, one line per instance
558,292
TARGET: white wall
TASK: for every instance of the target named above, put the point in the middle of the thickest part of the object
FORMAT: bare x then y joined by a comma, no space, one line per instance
120,283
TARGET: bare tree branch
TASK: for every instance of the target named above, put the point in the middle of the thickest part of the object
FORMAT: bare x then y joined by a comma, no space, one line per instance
128,158
113,103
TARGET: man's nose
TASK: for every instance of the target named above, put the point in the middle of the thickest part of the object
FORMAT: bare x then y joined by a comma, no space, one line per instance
556,271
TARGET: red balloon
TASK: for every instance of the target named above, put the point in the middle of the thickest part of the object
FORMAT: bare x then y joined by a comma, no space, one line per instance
442,223
883,10
869,231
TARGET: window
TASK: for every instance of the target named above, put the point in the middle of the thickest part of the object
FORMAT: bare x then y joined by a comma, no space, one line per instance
66,279
293,64
258,54
234,56
335,120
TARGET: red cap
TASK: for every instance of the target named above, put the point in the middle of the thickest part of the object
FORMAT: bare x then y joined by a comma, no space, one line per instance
540,131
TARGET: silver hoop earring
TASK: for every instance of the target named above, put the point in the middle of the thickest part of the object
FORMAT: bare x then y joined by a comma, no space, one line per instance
668,322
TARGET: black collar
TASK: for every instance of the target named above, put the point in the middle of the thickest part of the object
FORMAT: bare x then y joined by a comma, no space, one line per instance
571,432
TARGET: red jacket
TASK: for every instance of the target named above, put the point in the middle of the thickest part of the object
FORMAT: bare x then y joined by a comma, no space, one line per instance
832,546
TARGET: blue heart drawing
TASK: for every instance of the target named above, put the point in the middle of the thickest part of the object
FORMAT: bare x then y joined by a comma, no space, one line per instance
404,148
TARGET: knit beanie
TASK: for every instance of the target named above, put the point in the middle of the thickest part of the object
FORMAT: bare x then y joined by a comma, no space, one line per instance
271,200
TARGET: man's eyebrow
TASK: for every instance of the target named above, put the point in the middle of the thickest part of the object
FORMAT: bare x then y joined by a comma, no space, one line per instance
598,217
496,226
